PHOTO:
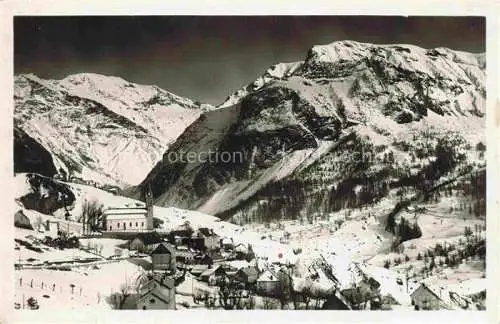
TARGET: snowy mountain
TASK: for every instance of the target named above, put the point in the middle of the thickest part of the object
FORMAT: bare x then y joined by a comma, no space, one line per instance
351,125
97,128
276,72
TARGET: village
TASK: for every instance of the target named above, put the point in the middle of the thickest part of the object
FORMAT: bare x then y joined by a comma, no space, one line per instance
193,267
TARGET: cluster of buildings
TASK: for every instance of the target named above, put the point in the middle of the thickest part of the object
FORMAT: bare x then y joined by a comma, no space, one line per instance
217,261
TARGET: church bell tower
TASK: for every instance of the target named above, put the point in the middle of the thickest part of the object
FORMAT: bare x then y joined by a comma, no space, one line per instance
149,209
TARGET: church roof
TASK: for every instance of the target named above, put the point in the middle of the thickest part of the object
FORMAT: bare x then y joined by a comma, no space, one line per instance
125,213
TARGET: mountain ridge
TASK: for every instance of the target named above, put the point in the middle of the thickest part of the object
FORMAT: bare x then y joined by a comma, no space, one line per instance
100,118
379,93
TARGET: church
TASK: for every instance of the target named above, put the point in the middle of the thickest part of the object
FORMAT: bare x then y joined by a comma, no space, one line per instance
130,219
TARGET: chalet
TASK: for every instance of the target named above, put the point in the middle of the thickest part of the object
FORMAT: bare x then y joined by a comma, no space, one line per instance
240,251
217,257
184,255
241,248
360,295
181,234
213,275
163,257
426,297
158,293
227,243
248,275
145,242
204,259
205,239
130,219
267,282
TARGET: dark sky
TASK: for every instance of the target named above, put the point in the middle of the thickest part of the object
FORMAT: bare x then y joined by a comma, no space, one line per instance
206,58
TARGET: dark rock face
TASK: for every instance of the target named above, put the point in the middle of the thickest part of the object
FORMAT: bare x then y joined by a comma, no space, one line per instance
324,136
95,127
268,124
30,156
21,220
47,195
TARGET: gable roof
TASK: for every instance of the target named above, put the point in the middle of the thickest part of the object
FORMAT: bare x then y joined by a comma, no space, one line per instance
199,268
206,231
168,283
250,272
124,213
163,248
450,299
212,270
156,294
268,275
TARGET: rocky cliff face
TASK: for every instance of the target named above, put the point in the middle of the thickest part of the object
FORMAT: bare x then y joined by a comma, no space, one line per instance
351,124
96,128
30,156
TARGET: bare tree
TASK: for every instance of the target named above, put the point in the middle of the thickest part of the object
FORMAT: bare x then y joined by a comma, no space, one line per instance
284,288
306,295
230,296
92,216
123,295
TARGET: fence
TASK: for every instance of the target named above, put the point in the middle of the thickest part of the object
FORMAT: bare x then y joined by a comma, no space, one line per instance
45,288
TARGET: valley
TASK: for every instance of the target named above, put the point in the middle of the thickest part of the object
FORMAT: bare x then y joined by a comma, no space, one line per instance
362,185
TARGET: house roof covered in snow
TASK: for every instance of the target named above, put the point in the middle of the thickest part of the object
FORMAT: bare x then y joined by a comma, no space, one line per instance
199,268
268,275
449,298
184,253
122,213
243,248
204,232
211,271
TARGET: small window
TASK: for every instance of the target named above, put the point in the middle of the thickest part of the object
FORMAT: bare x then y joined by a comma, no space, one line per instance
142,224
136,225
143,307
118,225
110,227
152,301
130,224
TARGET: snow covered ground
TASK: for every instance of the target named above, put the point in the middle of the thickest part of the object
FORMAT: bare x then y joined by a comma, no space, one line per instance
344,239
92,287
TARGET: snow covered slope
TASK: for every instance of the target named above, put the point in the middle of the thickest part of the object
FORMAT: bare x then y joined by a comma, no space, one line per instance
99,128
339,129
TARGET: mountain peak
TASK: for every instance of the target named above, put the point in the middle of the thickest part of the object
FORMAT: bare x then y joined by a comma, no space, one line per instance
99,128
92,78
